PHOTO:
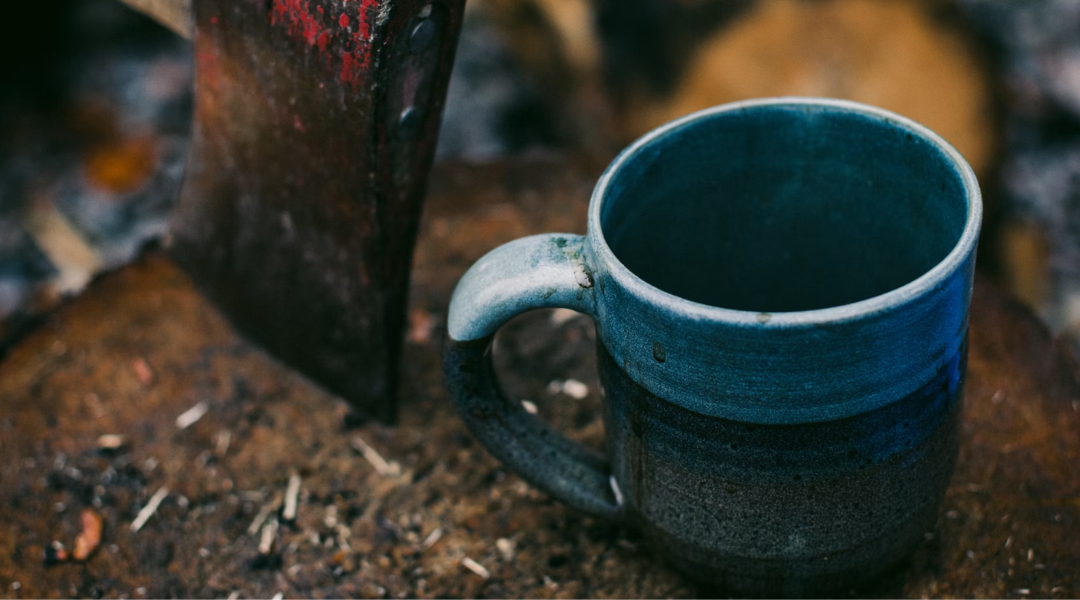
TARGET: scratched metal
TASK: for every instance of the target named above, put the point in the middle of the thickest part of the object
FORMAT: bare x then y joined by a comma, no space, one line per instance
315,127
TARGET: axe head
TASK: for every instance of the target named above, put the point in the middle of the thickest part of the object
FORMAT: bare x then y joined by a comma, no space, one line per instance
315,127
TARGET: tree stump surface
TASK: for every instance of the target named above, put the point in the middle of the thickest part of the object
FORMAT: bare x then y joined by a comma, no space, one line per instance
141,348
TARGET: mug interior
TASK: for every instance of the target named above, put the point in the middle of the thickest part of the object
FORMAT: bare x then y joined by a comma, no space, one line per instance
784,207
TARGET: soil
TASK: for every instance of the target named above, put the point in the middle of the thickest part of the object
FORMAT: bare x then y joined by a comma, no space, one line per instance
140,348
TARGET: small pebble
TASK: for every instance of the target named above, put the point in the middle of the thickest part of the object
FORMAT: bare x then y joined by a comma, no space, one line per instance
90,537
506,548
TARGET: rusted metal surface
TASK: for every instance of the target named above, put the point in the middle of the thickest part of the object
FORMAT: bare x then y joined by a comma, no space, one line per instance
399,510
315,127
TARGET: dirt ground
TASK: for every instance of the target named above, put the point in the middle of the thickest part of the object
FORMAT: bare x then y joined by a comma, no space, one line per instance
420,510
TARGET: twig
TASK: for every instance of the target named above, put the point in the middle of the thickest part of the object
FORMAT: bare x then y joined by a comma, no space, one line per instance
475,567
224,439
292,494
384,468
263,513
192,415
616,490
330,519
432,538
343,537
269,532
149,510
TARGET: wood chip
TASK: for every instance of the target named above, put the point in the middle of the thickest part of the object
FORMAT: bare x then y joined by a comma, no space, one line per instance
90,537
432,538
192,415
66,247
421,326
142,372
615,490
475,567
269,533
506,548
571,387
224,439
292,495
149,510
575,389
563,315
110,441
382,467
343,534
264,512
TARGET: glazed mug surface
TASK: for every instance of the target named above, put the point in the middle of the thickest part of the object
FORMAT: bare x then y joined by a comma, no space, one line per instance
780,290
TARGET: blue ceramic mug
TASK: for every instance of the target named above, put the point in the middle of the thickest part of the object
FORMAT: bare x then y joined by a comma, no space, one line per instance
780,290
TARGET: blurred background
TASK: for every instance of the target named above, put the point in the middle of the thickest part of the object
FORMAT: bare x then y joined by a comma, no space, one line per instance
96,99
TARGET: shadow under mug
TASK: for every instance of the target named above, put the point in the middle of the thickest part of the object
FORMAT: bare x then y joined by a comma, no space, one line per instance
780,289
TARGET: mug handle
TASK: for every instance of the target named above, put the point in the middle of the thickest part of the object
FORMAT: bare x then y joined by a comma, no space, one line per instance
541,271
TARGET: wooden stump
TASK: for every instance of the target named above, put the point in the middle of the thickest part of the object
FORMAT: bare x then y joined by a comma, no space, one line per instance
141,348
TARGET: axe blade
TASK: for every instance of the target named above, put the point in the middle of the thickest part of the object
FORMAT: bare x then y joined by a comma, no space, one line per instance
315,128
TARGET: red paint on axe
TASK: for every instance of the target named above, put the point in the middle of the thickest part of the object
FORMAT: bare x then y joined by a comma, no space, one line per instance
297,15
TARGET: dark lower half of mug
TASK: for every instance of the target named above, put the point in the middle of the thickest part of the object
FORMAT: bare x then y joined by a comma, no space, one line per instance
783,510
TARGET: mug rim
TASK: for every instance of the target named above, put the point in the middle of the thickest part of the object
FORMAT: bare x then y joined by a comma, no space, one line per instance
932,278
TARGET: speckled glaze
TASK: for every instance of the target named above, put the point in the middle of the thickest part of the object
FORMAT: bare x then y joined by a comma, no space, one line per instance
780,289
783,510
